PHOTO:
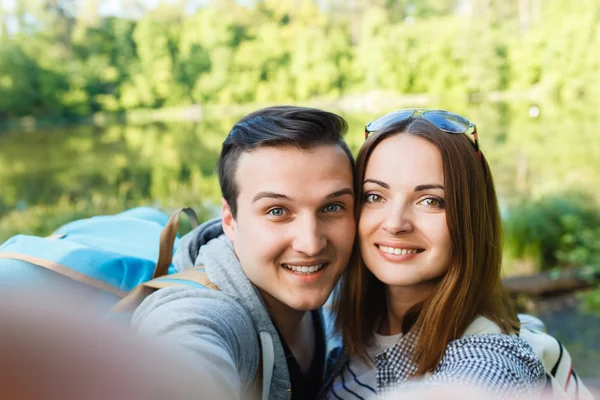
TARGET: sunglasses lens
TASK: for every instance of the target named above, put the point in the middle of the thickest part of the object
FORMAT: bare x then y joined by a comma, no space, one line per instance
448,122
389,119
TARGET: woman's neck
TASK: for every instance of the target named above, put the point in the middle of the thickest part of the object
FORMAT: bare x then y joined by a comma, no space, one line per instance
399,300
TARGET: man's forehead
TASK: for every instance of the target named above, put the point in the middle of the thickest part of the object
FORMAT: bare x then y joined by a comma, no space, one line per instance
276,158
293,172
286,150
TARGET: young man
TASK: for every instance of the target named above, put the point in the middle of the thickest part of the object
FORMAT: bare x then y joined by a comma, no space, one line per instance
286,177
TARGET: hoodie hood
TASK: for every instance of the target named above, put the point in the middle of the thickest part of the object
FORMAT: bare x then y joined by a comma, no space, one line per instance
189,246
207,245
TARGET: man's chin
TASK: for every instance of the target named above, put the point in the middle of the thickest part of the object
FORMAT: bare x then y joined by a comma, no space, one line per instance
308,305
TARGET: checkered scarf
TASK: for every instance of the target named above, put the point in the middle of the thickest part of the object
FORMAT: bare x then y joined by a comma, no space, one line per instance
503,364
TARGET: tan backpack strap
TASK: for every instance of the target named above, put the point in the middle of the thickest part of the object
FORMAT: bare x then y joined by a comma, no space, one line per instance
137,295
196,275
133,299
66,271
167,240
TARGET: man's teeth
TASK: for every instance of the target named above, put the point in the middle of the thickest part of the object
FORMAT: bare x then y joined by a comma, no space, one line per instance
304,269
393,250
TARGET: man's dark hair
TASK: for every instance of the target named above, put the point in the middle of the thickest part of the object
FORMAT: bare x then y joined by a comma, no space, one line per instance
281,126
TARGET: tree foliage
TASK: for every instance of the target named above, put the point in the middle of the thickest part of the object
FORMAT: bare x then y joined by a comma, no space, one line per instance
64,58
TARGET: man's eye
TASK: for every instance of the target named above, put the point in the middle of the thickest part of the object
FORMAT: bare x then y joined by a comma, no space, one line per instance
332,208
277,212
373,198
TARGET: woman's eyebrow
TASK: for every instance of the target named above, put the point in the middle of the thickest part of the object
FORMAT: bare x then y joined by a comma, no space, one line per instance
375,181
420,188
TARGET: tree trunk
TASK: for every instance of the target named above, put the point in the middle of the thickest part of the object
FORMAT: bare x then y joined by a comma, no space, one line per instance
524,15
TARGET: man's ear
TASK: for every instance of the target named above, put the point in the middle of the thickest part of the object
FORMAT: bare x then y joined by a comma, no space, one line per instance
228,221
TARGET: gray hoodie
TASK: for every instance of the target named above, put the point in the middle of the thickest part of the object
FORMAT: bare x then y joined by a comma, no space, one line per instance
222,329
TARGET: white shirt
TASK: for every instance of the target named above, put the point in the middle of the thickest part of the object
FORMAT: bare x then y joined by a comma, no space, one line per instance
359,380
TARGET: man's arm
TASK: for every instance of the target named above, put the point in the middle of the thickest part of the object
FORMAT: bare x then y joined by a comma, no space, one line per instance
52,348
210,329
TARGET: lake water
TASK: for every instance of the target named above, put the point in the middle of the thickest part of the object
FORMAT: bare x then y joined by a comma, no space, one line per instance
171,164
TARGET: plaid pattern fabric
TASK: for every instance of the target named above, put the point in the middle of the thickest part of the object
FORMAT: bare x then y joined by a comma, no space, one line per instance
502,364
394,365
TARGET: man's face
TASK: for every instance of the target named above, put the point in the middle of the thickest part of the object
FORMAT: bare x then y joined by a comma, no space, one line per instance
294,228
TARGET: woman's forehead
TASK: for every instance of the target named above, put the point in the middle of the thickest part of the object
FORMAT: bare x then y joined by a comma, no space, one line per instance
405,158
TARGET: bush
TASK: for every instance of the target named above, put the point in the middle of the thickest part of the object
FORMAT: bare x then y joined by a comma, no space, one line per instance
555,231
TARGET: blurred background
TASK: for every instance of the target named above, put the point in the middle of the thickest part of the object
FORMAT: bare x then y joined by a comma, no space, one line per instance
106,105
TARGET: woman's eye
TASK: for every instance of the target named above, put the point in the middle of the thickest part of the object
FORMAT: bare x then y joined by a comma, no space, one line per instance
276,212
432,202
373,198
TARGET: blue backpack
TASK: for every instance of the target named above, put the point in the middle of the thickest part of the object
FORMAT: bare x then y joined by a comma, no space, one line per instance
113,261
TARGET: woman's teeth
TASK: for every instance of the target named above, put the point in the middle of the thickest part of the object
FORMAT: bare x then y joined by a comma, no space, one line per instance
393,250
302,269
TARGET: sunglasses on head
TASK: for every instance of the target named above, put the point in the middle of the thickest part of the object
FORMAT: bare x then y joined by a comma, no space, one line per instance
447,121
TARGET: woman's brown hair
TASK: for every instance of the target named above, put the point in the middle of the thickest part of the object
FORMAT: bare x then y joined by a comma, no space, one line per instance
472,285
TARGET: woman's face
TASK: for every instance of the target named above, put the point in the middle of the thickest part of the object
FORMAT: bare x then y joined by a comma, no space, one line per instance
404,238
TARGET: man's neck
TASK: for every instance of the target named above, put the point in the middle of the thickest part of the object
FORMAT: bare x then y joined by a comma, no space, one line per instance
296,328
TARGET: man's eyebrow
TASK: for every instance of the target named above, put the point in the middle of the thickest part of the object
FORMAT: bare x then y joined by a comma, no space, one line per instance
279,196
269,195
342,192
420,188
375,181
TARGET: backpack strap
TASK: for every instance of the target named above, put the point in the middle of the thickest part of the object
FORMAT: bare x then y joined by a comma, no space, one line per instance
193,277
167,240
165,256
66,271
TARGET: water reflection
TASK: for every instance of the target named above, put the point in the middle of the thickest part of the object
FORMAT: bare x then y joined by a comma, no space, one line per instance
103,169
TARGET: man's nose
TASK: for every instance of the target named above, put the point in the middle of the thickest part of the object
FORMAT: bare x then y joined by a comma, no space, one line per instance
308,237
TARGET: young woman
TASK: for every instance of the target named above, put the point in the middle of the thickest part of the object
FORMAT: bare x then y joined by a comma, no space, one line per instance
424,300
